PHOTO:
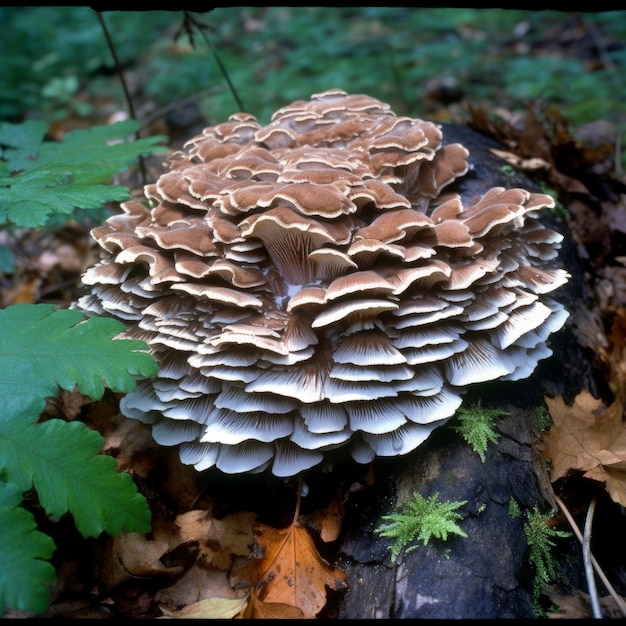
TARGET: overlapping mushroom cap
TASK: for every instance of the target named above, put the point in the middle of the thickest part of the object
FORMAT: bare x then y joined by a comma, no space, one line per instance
305,285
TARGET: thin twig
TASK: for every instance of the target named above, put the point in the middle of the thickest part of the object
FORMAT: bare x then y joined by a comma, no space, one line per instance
620,604
189,19
120,73
591,581
118,65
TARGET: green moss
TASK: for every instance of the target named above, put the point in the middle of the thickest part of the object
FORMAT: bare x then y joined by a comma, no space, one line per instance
544,419
540,539
514,508
508,170
419,519
476,426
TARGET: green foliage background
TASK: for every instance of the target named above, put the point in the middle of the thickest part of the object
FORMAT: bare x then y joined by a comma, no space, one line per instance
52,56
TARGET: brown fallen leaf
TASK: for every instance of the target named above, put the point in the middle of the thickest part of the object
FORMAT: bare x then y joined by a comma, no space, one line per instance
219,540
589,437
202,592
535,136
577,605
291,571
572,606
210,608
25,291
132,555
328,521
67,404
529,165
257,609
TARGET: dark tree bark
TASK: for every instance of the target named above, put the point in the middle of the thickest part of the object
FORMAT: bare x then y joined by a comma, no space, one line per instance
487,574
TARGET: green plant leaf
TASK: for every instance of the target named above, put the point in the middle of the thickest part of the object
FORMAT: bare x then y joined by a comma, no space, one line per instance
42,349
7,260
60,459
35,195
20,143
24,570
115,151
39,179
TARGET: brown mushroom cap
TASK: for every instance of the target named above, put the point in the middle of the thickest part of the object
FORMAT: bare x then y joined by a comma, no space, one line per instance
306,285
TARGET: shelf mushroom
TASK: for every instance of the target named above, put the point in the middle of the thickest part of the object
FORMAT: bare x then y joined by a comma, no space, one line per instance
305,285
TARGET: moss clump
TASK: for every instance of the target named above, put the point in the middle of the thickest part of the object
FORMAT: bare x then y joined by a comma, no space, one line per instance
419,519
514,508
539,537
476,426
544,419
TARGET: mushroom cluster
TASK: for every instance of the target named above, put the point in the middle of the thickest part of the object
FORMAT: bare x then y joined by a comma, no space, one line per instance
306,285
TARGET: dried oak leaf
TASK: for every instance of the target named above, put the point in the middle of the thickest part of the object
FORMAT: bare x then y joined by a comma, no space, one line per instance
257,609
201,592
328,522
589,437
578,606
291,570
219,540
209,608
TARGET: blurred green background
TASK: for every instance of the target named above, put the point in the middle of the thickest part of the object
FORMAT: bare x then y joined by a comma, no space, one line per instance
424,61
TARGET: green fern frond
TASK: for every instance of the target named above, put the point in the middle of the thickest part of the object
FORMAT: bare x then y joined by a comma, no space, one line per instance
514,508
40,178
42,350
544,419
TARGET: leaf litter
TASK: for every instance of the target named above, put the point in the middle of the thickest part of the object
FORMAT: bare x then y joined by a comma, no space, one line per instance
588,437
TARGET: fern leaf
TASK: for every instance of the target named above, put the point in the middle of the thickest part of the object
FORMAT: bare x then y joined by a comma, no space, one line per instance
539,537
24,569
42,178
37,194
20,143
60,459
42,349
114,152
